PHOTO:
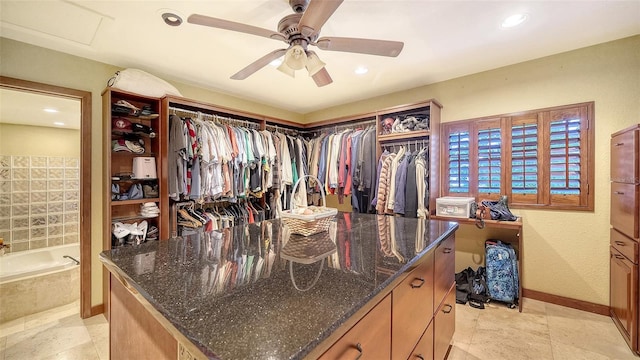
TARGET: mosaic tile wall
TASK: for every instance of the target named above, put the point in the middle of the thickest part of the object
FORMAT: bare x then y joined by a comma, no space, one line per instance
39,201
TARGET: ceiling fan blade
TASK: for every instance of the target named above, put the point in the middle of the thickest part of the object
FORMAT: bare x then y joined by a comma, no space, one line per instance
258,64
316,14
362,46
322,78
234,26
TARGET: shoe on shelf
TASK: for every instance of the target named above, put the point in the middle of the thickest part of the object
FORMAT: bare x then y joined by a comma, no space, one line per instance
120,230
143,227
153,233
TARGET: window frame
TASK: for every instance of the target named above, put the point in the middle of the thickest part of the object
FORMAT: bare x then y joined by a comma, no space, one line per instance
542,199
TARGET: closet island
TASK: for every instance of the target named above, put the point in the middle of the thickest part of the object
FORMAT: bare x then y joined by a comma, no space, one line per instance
372,287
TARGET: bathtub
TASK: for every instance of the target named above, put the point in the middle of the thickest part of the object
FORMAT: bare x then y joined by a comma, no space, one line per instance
24,264
36,280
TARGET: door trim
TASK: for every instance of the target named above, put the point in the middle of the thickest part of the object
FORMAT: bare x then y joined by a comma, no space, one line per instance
85,172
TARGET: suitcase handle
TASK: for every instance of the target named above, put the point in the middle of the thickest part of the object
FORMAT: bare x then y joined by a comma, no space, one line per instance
447,310
447,250
419,285
620,243
619,144
419,356
618,256
618,192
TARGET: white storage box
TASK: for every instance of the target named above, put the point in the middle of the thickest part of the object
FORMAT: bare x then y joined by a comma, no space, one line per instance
144,168
453,206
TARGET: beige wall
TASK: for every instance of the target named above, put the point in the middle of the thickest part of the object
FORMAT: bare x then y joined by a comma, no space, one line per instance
39,141
566,252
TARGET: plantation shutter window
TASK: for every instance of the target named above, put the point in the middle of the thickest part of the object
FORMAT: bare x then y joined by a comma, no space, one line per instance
489,140
567,156
525,172
539,158
458,151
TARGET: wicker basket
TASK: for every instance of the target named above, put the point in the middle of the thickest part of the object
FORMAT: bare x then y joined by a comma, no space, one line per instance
309,224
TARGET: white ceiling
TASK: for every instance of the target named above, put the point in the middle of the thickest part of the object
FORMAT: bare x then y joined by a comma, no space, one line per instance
26,108
443,40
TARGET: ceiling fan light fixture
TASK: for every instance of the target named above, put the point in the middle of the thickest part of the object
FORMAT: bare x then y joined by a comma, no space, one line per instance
314,64
287,70
296,58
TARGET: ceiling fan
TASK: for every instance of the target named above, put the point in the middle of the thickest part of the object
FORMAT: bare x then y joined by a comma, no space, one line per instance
300,30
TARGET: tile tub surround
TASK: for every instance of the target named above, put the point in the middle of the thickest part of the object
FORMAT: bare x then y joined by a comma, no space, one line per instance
39,201
267,315
35,294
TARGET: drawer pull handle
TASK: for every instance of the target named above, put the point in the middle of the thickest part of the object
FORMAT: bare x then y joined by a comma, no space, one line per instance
618,256
619,144
419,356
618,192
359,348
447,250
620,243
447,310
414,286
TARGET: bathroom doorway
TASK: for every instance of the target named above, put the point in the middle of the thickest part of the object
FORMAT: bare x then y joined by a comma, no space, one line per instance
51,190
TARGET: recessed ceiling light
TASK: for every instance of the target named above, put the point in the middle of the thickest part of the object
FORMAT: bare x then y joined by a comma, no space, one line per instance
361,70
514,20
58,123
171,19
50,110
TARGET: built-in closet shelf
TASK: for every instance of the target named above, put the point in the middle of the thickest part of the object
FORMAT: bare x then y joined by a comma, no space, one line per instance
131,218
404,135
133,202
132,155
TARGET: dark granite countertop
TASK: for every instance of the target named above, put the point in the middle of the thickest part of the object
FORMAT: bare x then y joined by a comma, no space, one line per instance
232,293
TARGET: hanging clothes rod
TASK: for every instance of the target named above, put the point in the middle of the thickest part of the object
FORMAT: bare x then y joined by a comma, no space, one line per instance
285,130
415,143
212,117
342,126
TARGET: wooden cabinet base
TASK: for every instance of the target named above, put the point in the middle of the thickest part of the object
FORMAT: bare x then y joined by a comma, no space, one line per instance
370,338
445,324
133,332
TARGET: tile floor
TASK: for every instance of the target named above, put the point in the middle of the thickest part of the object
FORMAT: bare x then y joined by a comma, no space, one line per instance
542,331
56,334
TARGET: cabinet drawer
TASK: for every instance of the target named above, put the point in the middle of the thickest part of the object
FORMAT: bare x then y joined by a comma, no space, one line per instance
445,272
626,246
623,296
444,325
624,208
424,349
412,308
624,157
370,338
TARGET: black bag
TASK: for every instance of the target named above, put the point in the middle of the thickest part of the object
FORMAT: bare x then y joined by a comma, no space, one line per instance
471,286
499,209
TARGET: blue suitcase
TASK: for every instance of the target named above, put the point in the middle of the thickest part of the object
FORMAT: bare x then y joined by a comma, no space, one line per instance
502,272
